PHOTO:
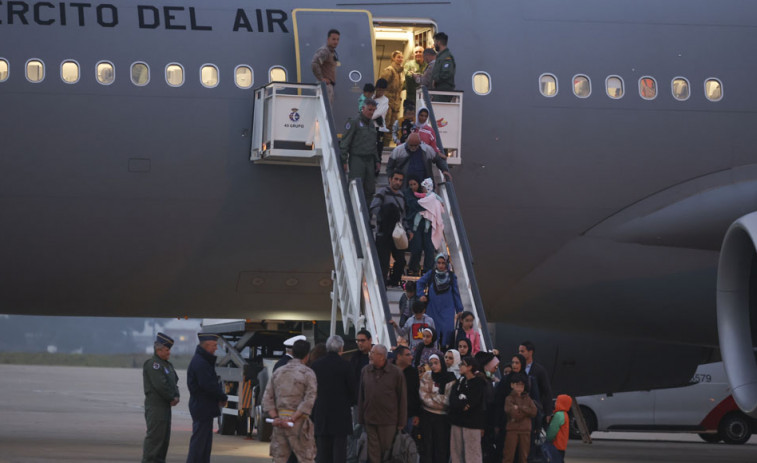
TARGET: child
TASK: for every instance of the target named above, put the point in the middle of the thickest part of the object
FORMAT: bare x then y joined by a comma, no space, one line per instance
406,302
400,131
520,409
368,90
559,425
426,349
413,328
466,330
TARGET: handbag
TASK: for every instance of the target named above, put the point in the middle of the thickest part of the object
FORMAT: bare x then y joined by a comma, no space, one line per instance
400,237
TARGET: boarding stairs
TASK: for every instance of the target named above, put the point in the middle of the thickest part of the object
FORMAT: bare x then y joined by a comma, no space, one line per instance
293,124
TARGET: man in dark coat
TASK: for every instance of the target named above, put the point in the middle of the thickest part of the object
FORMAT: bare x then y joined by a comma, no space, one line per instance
161,393
536,370
360,358
206,397
404,361
336,394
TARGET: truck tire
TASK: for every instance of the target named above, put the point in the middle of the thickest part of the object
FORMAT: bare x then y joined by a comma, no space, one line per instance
735,429
227,425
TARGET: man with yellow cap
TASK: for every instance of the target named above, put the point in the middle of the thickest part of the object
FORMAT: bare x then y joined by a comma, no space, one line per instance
161,393
206,397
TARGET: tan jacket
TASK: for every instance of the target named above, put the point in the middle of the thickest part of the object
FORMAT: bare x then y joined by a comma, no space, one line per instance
293,388
520,409
395,79
433,401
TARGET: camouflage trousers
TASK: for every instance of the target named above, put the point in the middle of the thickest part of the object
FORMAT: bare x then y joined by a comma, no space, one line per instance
298,440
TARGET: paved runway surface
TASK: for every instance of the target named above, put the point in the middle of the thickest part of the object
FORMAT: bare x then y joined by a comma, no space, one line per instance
73,414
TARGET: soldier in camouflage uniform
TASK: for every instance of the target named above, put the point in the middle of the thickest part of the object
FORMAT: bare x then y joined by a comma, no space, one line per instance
358,148
161,393
289,400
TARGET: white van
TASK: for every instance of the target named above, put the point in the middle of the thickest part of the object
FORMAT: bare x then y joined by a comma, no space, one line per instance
705,407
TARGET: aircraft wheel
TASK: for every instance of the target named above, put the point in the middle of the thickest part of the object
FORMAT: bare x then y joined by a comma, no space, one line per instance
589,418
264,429
711,438
735,429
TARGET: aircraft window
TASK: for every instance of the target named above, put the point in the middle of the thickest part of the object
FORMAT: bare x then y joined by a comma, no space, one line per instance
713,89
482,83
35,71
106,73
614,86
175,75
680,87
4,70
209,76
648,88
140,74
243,76
581,86
548,85
69,72
277,74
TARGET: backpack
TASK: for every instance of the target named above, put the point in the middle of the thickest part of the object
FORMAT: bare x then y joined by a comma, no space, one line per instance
403,450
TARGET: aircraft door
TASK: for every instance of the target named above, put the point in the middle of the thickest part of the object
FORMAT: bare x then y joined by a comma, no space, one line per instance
355,53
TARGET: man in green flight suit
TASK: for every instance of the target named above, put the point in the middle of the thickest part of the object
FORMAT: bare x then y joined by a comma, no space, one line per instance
443,74
358,148
161,393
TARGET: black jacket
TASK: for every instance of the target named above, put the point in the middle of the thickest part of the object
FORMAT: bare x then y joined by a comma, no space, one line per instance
336,394
472,393
205,391
545,389
358,361
413,384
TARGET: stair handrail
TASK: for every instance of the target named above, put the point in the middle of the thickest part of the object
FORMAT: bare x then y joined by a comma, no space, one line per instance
460,235
372,285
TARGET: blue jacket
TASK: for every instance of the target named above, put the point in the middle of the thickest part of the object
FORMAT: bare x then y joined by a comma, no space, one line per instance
441,307
205,391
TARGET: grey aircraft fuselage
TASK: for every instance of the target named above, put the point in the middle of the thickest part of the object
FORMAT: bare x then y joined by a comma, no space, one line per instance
585,215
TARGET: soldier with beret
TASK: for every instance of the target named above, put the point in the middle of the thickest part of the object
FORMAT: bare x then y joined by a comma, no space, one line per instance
161,393
206,397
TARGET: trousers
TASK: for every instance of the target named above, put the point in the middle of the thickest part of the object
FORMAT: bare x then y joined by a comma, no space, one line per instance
155,446
384,248
435,429
465,445
201,441
364,168
380,440
331,449
519,440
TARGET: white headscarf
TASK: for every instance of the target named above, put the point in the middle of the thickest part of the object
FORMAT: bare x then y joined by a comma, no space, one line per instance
455,368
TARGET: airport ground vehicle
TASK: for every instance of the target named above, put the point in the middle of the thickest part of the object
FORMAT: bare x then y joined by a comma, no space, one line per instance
705,406
248,350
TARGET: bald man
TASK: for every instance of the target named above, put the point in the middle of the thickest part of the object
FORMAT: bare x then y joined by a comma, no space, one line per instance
382,403
416,159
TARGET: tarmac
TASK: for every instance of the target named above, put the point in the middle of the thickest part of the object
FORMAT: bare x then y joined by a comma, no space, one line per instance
79,414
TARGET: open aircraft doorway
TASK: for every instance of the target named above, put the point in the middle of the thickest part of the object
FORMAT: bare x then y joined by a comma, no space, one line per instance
397,34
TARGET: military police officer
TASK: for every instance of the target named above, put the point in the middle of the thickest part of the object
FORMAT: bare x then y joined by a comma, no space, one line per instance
161,393
289,400
358,147
443,73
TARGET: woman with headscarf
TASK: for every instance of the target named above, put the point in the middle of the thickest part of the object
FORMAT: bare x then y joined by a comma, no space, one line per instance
435,389
503,389
424,128
426,349
443,299
464,347
452,360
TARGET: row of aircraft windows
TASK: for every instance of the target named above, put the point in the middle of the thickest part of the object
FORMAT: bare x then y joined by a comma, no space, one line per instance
105,73
616,89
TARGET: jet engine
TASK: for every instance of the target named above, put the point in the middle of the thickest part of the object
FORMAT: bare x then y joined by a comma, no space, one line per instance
737,312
